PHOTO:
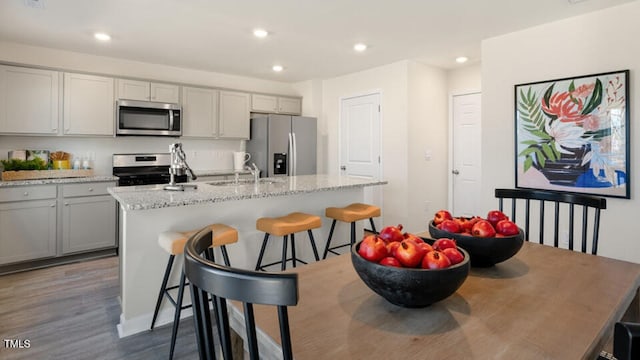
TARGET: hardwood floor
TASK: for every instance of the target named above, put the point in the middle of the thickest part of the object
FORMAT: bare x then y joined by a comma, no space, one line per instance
71,311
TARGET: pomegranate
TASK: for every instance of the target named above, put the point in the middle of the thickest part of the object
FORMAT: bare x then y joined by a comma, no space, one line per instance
391,233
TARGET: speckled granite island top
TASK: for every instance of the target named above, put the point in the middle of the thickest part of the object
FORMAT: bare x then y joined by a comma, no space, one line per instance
154,197
70,180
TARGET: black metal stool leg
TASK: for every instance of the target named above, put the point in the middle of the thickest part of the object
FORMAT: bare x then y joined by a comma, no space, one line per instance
293,249
313,245
326,248
264,246
353,233
283,266
167,272
176,316
373,226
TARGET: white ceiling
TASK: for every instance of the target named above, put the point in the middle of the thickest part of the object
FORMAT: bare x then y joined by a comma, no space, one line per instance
312,39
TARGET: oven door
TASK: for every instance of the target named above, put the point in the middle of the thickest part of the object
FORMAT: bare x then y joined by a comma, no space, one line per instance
148,118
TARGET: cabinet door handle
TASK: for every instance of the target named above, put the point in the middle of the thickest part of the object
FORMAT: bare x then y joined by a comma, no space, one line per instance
66,204
26,193
90,189
53,205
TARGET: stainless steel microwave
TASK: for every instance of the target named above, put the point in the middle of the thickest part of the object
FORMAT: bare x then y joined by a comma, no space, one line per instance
148,118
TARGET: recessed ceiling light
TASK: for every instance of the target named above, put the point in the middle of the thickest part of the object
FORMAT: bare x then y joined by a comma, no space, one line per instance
277,68
261,33
37,4
102,36
360,47
461,59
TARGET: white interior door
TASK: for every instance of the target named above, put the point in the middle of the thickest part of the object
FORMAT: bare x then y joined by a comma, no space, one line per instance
360,136
360,141
466,154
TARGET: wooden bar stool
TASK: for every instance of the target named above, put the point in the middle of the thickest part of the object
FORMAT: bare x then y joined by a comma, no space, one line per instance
173,243
286,226
349,214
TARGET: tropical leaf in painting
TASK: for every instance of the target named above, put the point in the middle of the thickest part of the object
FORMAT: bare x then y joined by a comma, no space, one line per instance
595,99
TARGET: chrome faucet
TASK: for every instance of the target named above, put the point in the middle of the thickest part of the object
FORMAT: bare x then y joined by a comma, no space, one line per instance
179,166
254,171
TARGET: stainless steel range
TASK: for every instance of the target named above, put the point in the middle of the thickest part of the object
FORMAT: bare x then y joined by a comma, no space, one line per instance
144,169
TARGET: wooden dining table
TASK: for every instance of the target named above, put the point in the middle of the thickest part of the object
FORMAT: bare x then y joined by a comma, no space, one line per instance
543,303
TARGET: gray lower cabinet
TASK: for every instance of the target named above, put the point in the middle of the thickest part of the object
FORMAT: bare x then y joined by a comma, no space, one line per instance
88,217
27,230
50,221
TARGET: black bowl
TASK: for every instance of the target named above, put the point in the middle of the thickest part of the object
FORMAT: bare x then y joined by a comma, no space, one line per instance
408,287
484,252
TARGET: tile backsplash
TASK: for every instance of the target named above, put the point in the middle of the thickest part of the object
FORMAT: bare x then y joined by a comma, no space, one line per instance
201,154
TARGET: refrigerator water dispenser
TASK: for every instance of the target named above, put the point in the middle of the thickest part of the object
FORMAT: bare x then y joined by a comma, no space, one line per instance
280,164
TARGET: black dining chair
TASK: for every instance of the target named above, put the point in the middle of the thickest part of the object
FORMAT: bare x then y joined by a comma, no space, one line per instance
566,212
226,283
626,342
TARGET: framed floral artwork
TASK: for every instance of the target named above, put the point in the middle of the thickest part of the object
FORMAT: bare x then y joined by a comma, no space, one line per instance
572,134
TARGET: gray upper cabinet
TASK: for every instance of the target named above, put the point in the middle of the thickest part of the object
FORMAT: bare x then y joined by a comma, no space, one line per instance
148,91
29,101
264,103
89,105
276,104
234,115
48,102
291,106
199,112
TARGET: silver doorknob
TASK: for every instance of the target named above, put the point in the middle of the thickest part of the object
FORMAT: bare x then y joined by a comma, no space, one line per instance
455,172
343,167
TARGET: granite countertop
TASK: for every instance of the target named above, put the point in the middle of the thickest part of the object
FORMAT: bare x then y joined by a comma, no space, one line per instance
69,180
155,197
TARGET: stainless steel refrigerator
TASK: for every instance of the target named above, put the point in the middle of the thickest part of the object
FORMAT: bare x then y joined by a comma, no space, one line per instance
283,145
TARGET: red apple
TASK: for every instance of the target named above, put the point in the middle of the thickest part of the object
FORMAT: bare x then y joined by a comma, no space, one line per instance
391,233
444,243
494,216
409,253
454,255
507,228
449,226
435,260
392,247
372,248
390,261
441,216
483,229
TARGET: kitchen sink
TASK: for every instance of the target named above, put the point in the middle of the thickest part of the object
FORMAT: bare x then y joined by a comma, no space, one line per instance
244,182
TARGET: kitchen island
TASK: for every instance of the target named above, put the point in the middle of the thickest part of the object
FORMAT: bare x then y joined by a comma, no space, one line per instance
146,211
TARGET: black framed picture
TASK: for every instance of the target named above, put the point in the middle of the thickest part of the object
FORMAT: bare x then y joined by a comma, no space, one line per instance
572,134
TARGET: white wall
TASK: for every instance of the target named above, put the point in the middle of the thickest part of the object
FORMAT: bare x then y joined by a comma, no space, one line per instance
413,119
464,80
597,42
391,81
427,131
201,154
